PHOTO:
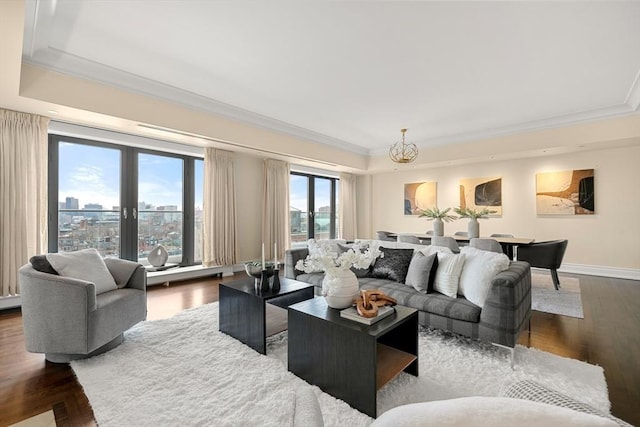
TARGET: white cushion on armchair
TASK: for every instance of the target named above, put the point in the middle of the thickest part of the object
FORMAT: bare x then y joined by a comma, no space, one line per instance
487,412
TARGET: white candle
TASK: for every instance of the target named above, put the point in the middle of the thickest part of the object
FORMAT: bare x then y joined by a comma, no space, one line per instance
275,255
262,259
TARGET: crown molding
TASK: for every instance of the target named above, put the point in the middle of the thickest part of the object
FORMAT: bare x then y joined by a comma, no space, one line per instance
620,110
633,97
36,50
72,65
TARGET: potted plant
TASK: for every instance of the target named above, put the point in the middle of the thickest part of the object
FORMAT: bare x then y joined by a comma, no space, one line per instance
474,215
439,217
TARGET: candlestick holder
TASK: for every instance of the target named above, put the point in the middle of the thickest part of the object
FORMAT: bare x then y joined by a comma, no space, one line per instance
275,286
264,281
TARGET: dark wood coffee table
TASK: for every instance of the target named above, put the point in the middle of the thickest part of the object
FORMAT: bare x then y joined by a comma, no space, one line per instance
347,359
242,311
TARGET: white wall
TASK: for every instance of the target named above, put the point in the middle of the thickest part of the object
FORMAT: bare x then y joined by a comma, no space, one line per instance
610,238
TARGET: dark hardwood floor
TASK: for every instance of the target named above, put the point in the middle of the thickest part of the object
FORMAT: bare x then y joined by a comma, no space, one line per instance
608,336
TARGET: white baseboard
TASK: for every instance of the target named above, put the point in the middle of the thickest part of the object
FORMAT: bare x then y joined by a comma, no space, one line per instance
596,270
12,301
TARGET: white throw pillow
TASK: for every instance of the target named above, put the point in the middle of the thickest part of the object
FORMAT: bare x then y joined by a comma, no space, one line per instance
479,270
86,264
432,249
487,412
448,273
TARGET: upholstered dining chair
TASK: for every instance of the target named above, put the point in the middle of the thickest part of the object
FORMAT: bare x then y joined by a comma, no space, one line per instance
486,245
507,249
80,307
386,236
407,238
545,255
446,241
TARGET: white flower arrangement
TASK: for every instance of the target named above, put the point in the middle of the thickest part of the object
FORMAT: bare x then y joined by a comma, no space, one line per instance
323,260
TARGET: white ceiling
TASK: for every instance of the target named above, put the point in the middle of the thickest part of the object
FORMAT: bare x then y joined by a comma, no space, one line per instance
353,73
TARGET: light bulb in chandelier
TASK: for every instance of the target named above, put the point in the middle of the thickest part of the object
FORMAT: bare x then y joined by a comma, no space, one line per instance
401,152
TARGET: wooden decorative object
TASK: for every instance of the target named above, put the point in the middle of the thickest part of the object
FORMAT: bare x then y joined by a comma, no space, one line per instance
369,302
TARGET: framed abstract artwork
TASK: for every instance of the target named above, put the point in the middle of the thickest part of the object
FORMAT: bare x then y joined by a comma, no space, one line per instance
479,193
565,193
419,196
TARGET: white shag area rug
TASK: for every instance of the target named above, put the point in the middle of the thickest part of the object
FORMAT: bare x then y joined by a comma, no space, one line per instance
183,372
565,301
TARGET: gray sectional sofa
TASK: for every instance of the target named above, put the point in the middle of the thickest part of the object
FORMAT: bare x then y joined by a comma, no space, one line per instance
505,313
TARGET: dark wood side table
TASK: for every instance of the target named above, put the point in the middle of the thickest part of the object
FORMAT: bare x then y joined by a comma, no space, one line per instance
242,311
347,359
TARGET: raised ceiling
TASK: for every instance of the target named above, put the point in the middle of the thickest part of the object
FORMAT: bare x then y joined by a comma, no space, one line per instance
353,73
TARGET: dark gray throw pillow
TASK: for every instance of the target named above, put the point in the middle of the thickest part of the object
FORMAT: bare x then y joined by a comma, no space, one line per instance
393,265
42,264
421,273
359,272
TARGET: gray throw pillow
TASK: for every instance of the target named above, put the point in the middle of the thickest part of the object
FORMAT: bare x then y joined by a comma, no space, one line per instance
359,272
86,264
41,264
421,273
393,265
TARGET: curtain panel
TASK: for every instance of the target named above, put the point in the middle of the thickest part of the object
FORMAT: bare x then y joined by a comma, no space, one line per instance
23,193
347,214
275,208
219,208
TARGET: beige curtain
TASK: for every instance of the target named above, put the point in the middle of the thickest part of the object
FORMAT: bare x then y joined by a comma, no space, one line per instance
275,208
219,208
347,214
23,193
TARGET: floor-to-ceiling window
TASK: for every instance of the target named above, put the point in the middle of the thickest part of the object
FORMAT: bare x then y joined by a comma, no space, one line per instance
124,201
313,210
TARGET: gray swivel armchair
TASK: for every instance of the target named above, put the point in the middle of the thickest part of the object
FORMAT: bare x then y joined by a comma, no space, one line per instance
65,319
545,255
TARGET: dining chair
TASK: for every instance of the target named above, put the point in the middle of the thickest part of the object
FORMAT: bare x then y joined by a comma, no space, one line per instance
545,255
491,245
408,238
386,236
507,249
446,241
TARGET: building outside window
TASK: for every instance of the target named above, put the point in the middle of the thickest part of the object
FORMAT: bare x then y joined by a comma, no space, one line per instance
124,201
313,207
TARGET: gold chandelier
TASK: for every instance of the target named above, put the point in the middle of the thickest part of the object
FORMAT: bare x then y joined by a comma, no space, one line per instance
400,152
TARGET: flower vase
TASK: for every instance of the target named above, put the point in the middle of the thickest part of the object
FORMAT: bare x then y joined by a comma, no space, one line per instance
340,287
438,227
473,229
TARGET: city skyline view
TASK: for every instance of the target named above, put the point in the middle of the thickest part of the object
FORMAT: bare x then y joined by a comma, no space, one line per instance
92,175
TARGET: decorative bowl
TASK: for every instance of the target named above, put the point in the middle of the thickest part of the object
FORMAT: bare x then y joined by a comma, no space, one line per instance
254,268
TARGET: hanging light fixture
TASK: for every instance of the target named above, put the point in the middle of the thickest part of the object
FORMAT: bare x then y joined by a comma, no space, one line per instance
400,152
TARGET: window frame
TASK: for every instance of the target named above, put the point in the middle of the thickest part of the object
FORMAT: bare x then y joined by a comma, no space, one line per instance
333,202
128,195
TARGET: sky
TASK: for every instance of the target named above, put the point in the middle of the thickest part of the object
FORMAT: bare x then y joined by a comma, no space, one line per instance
298,189
92,175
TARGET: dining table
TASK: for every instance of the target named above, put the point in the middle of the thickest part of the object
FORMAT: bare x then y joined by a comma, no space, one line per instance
509,244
